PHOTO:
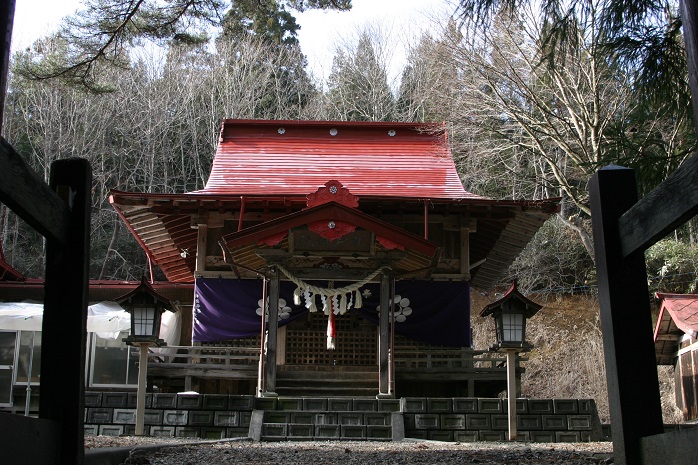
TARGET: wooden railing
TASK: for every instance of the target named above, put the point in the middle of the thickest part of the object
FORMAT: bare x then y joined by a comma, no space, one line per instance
448,359
205,361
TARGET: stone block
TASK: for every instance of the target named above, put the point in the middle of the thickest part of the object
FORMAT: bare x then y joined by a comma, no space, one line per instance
366,405
236,432
301,431
491,435
227,419
175,417
325,418
276,417
500,422
115,399
187,432
388,405
416,434
162,431
540,406
200,418
408,419
274,430
489,406
585,436
132,400
350,418
100,416
587,406
565,406
377,419
165,401
93,399
245,419
579,422
554,422
427,421
439,405
477,421
567,436
124,416
521,406
353,432
91,430
529,422
327,431
130,430
189,401
289,403
111,430
523,436
340,404
215,402
465,405
314,404
453,421
153,417
304,418
440,435
265,403
241,402
465,436
213,433
414,405
542,436
377,432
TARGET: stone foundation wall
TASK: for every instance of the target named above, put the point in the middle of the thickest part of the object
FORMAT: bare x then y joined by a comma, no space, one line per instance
211,416
476,419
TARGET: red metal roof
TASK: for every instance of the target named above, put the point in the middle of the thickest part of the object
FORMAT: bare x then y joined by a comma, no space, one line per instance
371,159
678,315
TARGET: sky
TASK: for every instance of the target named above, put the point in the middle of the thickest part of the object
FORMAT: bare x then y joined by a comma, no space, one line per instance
402,20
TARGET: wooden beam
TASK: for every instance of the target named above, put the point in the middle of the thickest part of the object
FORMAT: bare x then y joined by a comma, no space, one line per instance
631,372
26,194
64,328
667,207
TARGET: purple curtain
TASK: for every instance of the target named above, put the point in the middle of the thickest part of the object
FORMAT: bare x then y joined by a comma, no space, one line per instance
227,308
435,312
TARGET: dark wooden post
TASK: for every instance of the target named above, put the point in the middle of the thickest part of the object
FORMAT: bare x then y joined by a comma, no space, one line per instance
272,334
64,330
631,372
384,336
7,14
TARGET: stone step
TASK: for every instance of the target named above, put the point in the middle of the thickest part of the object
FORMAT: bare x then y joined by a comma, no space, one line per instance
301,432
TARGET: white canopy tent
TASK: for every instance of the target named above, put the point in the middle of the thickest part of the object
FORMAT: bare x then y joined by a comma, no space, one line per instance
107,319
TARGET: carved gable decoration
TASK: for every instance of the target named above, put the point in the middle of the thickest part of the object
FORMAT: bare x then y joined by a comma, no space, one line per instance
333,191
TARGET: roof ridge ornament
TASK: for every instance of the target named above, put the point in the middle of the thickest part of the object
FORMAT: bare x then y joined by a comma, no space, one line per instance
333,191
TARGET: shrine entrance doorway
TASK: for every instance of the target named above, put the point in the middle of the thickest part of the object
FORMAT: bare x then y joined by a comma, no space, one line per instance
356,343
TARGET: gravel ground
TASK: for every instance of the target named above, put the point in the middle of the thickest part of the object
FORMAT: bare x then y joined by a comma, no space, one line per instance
361,453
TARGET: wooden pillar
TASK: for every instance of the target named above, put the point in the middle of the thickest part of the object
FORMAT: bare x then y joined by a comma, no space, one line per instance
384,336
631,372
272,334
511,393
64,329
201,241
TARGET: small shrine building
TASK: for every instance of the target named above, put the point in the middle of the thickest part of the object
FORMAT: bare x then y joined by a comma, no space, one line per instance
353,244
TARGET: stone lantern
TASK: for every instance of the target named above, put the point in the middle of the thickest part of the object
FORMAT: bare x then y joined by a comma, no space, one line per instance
146,308
510,314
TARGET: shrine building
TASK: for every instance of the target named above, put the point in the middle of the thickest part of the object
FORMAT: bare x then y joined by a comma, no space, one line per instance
343,252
